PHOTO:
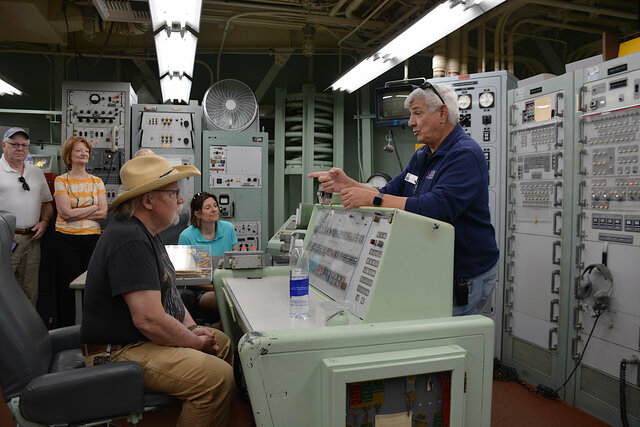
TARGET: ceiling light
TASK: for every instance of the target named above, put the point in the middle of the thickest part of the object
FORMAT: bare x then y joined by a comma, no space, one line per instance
175,88
437,24
175,26
169,12
89,23
176,52
308,42
7,89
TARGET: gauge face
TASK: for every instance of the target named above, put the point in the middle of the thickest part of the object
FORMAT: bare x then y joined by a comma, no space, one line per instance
464,102
378,180
486,99
94,98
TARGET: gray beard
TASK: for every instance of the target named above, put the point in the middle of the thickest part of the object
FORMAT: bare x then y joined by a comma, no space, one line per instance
176,217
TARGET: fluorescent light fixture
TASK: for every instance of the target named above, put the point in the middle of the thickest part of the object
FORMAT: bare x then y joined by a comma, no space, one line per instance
175,87
182,12
175,26
7,89
176,52
437,24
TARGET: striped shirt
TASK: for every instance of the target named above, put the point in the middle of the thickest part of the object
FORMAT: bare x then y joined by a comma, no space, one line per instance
82,193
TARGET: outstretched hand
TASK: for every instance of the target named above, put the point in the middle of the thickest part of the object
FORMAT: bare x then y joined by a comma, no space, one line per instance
333,181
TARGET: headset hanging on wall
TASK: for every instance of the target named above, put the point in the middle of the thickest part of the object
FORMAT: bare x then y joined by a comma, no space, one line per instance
598,300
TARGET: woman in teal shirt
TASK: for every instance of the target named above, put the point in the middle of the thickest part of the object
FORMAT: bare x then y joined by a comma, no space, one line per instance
207,229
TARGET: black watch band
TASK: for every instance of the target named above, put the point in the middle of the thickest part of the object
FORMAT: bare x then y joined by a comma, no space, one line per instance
377,200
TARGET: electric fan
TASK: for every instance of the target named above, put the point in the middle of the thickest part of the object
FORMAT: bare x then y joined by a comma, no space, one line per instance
229,105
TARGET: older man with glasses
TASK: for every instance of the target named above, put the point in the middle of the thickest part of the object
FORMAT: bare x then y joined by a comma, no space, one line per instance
24,192
446,179
132,308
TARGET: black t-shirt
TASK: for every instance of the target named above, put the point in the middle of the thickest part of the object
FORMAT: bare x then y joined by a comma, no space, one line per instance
127,258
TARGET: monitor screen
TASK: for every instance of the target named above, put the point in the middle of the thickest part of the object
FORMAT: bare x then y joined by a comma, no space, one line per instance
390,109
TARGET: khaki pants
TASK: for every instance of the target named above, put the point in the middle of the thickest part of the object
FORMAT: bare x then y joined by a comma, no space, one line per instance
25,261
203,382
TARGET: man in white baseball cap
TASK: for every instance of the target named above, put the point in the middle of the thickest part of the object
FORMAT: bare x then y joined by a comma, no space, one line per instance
132,309
24,192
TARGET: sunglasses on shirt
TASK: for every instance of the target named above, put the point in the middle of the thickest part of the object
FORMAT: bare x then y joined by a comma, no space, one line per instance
25,186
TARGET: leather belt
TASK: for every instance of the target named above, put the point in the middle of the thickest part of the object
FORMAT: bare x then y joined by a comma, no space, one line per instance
88,349
24,232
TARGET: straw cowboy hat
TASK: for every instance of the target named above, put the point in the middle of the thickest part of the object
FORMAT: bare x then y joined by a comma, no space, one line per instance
143,174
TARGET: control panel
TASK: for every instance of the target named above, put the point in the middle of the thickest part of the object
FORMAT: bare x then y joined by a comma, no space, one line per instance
538,219
248,234
235,167
609,160
100,112
608,222
167,130
172,132
352,253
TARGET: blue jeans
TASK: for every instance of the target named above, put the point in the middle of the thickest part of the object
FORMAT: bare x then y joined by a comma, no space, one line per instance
480,288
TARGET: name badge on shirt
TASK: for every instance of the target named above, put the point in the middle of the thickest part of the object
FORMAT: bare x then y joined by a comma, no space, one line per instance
409,177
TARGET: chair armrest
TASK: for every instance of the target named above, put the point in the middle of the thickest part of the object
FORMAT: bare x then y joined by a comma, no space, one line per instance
87,394
65,338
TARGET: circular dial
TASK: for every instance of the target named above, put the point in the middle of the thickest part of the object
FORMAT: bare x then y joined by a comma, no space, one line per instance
486,99
94,98
378,180
464,102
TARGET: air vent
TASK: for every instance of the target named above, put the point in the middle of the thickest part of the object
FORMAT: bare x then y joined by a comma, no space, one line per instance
534,357
123,11
606,389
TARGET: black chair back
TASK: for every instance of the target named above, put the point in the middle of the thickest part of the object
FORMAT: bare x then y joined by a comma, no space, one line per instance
25,344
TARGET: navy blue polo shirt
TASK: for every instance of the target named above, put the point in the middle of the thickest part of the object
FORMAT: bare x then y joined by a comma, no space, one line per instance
451,185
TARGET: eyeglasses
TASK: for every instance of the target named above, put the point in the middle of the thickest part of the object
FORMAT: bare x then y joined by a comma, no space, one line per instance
427,85
25,186
173,194
18,145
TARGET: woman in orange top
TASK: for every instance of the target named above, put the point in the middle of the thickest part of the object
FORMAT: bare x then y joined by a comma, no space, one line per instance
81,201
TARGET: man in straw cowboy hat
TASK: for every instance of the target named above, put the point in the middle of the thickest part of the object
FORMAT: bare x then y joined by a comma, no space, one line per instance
132,310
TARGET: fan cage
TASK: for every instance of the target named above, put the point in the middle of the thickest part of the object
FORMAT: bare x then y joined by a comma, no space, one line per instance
229,105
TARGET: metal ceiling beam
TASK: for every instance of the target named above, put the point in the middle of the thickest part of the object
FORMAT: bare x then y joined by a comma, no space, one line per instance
588,9
279,61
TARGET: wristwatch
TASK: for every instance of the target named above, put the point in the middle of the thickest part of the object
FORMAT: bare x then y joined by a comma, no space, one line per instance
377,200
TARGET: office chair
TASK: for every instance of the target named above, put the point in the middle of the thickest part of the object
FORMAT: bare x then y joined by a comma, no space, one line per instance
42,373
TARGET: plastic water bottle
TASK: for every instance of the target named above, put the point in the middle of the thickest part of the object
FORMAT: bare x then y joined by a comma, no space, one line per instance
298,282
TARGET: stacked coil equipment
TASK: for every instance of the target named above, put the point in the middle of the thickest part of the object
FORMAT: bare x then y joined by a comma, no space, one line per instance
322,131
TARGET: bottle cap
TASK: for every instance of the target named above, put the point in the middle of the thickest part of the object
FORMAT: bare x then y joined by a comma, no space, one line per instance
299,243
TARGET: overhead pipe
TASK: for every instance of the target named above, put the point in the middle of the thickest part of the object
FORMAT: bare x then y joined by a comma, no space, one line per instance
364,21
226,30
543,23
583,8
496,40
393,26
482,46
336,8
587,50
353,5
439,60
464,51
453,54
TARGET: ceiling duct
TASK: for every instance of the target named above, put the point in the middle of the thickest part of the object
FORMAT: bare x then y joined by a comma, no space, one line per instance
123,11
